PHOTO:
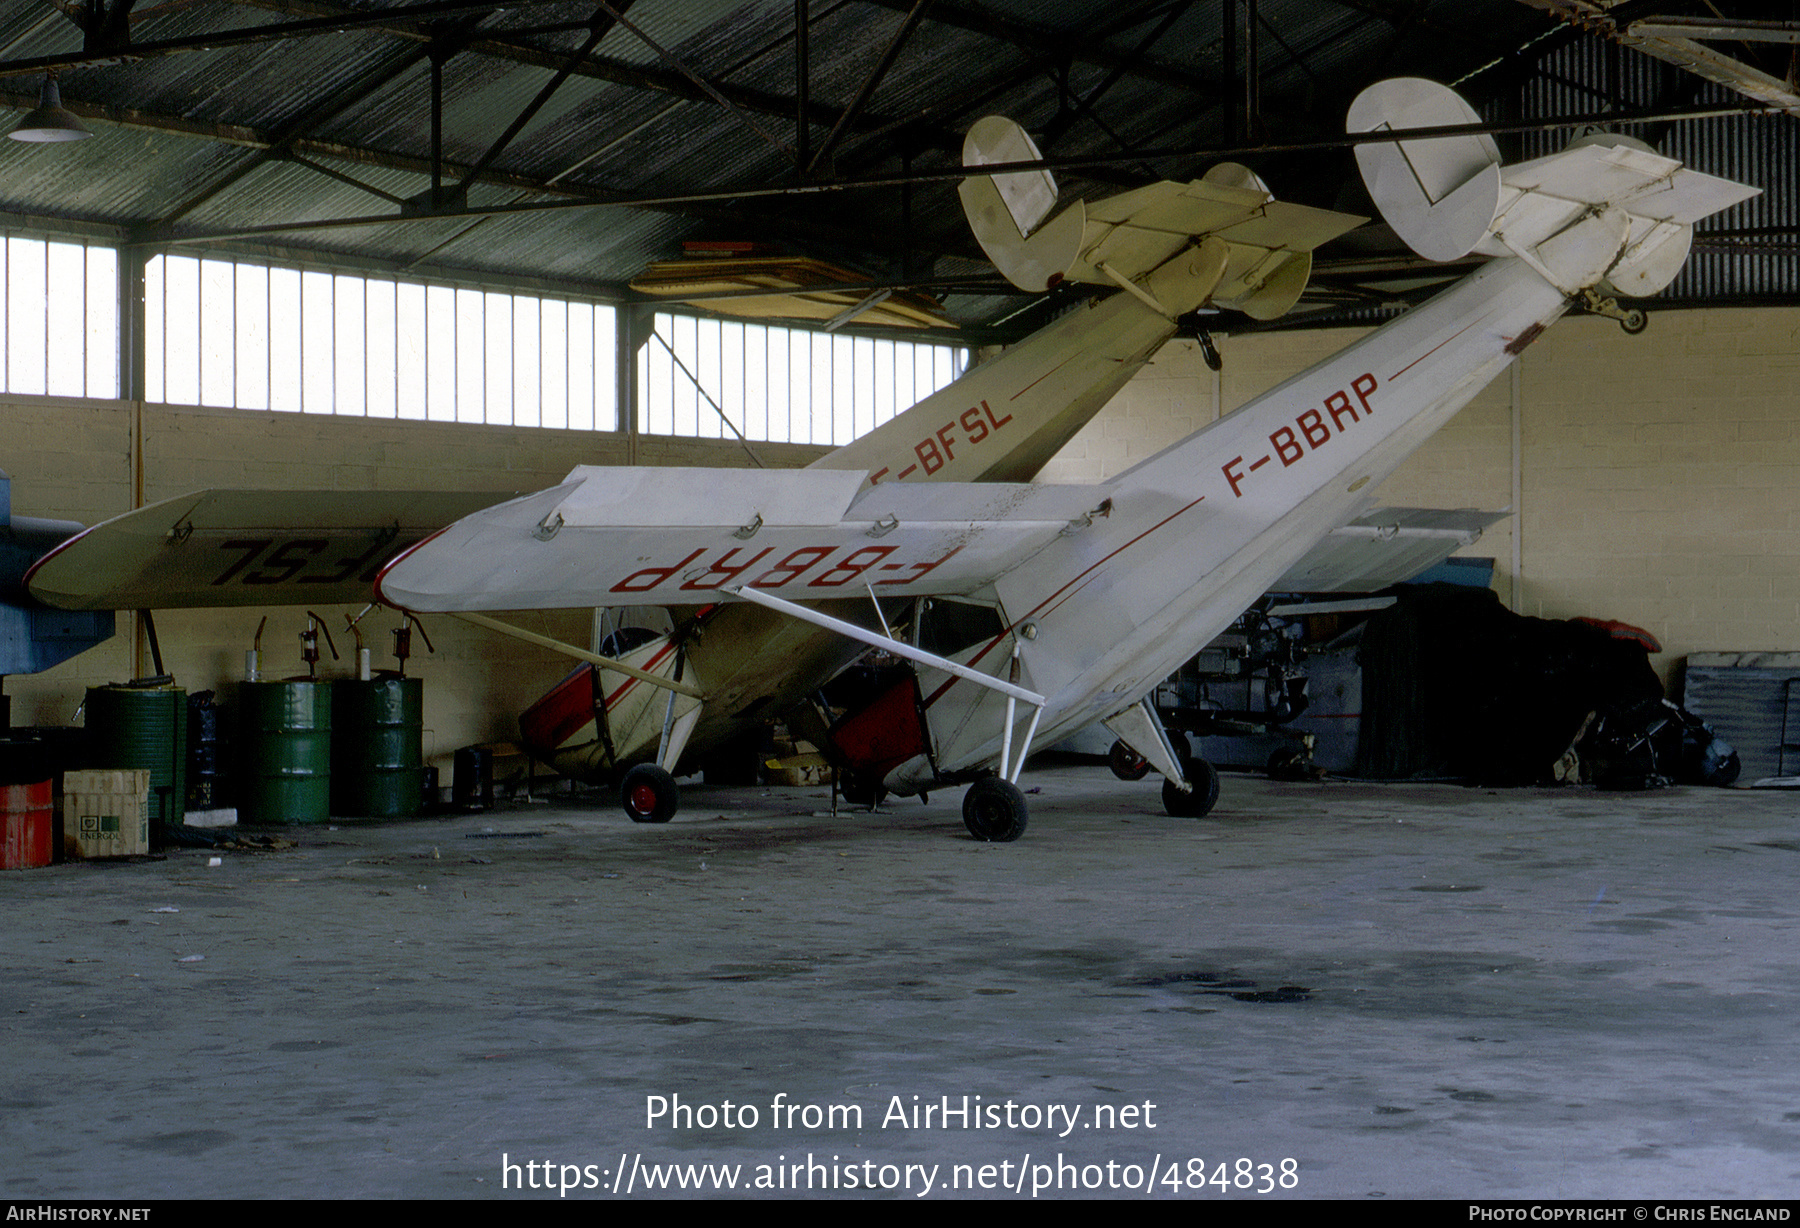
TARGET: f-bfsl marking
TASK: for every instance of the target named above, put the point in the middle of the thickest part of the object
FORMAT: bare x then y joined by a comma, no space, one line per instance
939,448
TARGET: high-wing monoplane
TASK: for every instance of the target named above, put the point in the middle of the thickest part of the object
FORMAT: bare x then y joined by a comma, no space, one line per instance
725,667
1051,607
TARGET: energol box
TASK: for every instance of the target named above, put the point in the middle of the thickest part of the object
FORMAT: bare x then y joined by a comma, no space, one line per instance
106,814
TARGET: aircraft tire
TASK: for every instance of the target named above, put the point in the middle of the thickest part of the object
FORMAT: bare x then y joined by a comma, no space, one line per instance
1288,763
994,810
1126,763
860,791
1198,804
649,794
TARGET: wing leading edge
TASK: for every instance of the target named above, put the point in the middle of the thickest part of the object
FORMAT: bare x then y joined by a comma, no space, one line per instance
622,536
244,548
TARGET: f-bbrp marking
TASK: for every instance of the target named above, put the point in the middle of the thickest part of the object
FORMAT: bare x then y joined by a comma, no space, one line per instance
1312,427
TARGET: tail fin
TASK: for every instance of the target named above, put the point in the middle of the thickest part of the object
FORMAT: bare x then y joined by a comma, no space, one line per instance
1607,213
1174,246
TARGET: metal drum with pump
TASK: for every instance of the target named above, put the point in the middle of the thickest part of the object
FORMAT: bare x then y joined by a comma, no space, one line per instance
376,756
377,744
284,741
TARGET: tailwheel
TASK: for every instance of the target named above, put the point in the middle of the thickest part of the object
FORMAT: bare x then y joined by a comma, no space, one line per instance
649,794
1197,804
1126,763
994,810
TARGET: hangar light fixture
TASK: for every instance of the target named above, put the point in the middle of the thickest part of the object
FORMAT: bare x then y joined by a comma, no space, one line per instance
50,121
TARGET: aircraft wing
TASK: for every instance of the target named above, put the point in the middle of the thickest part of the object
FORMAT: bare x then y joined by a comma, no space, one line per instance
244,548
633,536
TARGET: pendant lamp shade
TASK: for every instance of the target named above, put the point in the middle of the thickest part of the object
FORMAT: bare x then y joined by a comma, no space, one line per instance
50,122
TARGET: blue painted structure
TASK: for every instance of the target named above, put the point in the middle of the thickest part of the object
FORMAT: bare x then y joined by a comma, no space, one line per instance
34,636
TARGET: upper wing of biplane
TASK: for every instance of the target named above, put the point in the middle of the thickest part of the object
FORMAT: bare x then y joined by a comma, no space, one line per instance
244,548
629,536
1221,239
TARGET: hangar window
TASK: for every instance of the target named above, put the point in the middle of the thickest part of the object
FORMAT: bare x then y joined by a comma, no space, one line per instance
719,379
59,318
253,336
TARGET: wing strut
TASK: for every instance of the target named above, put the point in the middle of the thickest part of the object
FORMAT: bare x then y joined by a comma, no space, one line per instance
580,654
1009,767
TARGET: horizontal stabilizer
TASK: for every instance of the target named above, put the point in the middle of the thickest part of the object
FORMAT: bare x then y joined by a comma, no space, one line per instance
1608,212
1222,238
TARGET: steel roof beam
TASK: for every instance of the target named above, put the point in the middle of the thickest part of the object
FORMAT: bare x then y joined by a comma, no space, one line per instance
908,24
711,91
953,175
927,119
279,146
501,45
336,23
599,25
1606,20
1401,15
1054,130
406,22
1080,47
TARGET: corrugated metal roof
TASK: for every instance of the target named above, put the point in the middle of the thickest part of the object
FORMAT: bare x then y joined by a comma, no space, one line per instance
196,143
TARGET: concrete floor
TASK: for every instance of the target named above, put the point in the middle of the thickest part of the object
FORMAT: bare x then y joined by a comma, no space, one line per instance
1406,991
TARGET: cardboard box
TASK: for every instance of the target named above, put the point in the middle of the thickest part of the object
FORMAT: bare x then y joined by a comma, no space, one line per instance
106,813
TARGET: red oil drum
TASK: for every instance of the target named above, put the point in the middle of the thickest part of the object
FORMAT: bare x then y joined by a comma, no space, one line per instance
26,823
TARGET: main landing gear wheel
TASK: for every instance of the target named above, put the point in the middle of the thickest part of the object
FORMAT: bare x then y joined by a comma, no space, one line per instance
994,810
1126,763
649,794
860,791
1205,779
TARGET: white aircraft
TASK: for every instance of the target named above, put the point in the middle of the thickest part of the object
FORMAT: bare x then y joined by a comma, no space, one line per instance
1222,240
1073,601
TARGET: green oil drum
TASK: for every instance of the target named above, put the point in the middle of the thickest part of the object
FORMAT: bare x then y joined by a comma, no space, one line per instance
377,747
145,728
284,752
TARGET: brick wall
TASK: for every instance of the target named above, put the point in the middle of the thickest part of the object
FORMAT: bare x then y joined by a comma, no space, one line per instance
1658,486
72,459
1659,474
